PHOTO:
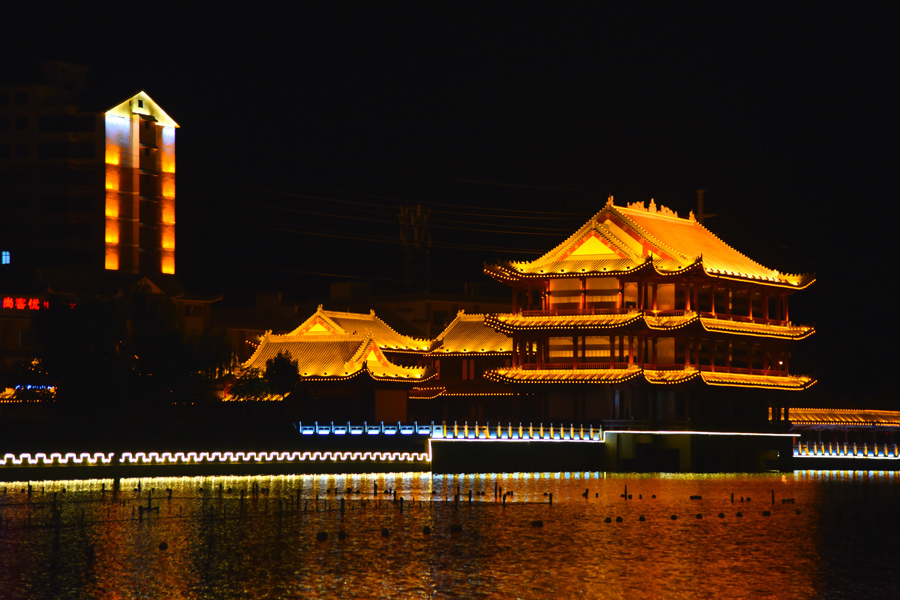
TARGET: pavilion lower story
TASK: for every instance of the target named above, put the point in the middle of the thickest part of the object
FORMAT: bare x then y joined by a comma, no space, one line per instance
640,405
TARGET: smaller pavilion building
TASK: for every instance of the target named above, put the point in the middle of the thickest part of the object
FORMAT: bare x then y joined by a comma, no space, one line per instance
352,367
460,356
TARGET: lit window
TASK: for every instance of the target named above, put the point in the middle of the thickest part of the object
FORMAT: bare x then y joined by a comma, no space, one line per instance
4,257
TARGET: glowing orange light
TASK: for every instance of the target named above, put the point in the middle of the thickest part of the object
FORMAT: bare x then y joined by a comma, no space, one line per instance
168,238
168,213
112,231
112,258
112,179
112,207
168,264
112,156
168,187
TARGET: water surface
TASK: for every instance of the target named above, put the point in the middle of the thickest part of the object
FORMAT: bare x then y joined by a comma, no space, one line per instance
83,539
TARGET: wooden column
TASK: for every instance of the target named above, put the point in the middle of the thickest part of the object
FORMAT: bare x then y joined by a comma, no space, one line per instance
620,299
765,300
621,348
729,303
712,294
630,350
583,293
750,303
728,359
654,295
712,356
653,350
687,351
785,310
688,292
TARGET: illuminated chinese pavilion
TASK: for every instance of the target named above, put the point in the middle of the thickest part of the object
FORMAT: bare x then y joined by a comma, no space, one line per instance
352,366
644,316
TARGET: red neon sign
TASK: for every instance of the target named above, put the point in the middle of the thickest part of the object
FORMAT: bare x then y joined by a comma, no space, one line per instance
24,303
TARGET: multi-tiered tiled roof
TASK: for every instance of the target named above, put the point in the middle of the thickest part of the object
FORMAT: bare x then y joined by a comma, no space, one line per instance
339,345
621,240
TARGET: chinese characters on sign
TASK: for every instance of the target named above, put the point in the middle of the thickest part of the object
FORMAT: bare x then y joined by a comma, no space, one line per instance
21,303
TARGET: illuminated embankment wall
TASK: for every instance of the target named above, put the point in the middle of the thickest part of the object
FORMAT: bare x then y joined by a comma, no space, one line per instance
442,449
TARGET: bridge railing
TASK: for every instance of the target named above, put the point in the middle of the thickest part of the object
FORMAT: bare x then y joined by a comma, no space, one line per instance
463,430
841,450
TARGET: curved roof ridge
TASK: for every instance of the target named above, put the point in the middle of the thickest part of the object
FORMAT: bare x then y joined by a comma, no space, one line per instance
374,317
650,237
568,241
717,238
772,274
258,349
361,351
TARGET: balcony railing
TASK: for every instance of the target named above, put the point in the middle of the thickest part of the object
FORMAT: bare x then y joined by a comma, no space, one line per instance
577,366
567,366
743,319
575,312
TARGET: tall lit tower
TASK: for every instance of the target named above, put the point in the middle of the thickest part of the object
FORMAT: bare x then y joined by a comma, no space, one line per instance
140,187
84,187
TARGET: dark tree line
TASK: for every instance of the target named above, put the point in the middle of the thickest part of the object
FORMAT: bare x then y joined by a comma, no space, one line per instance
126,353
279,377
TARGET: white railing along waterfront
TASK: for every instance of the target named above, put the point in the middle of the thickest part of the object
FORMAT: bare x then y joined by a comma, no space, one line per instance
845,450
464,430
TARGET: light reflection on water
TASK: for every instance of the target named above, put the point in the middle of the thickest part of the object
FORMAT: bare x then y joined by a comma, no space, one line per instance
98,544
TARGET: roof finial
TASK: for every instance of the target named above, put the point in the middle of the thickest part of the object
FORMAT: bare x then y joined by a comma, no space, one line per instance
652,208
609,201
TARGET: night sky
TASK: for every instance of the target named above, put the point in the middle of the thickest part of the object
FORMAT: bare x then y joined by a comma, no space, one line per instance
303,133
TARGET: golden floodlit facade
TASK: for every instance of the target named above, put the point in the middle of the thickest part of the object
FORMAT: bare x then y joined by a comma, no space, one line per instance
352,366
645,317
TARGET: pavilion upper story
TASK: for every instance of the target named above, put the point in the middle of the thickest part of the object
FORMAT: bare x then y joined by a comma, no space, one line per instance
651,261
640,292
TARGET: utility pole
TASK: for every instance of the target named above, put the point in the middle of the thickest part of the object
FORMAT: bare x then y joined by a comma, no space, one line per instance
702,216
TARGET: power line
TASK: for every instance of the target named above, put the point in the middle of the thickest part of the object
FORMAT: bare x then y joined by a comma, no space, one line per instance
422,175
543,215
385,240
527,229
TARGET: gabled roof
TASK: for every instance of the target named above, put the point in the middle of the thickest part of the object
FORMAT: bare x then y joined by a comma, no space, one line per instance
337,356
146,107
468,334
331,323
620,240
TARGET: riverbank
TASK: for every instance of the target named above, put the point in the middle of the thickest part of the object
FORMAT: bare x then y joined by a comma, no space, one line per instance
431,448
